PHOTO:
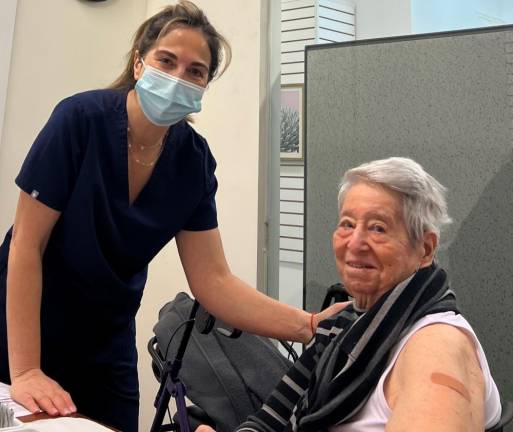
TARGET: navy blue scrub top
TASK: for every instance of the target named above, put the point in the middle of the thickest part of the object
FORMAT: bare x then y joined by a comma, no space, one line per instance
95,263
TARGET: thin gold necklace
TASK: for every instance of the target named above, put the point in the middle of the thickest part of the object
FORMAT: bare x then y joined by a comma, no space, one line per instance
143,147
145,164
153,162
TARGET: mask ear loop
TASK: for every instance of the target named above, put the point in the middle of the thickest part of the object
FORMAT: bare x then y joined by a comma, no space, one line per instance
140,57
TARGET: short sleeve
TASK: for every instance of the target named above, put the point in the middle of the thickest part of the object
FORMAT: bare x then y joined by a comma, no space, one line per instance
50,169
205,215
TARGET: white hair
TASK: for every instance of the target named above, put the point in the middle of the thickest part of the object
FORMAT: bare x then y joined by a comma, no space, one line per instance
423,197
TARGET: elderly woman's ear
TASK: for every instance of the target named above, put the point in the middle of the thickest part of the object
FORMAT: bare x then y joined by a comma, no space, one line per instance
429,245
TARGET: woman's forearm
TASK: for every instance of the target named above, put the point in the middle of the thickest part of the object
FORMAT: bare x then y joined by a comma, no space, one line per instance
232,300
247,309
24,282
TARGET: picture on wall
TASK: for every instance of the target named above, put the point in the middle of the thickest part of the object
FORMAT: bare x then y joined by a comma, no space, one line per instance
291,123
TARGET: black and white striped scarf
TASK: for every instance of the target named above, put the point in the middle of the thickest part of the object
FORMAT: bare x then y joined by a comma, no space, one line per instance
350,366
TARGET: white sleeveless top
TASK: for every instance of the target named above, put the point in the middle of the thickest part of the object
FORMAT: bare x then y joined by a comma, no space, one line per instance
374,415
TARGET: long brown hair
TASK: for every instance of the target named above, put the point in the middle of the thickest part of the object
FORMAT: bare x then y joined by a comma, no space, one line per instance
183,14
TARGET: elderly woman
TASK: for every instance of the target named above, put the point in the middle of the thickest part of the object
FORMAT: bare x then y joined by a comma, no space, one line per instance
399,356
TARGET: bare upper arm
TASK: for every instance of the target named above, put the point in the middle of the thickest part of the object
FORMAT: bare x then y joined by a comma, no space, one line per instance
436,383
33,223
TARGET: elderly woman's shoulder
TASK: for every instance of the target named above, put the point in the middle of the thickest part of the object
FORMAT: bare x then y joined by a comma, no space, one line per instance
436,381
441,338
439,350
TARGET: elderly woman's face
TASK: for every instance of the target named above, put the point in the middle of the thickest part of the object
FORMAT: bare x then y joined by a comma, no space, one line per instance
372,249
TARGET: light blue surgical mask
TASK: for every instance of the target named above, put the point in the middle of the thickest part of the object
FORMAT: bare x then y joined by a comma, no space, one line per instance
165,99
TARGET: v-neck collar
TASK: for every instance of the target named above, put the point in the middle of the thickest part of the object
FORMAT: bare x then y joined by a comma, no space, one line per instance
125,160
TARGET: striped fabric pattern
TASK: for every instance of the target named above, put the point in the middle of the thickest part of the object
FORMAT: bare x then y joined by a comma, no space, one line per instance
277,413
340,367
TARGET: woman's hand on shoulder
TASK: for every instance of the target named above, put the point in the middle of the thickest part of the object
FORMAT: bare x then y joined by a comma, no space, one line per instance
38,392
334,309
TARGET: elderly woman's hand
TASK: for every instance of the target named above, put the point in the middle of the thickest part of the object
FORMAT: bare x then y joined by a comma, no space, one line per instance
204,428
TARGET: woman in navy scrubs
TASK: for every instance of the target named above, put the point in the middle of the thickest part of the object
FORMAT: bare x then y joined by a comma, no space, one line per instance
111,178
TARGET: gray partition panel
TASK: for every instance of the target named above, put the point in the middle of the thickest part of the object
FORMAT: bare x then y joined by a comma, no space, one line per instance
445,100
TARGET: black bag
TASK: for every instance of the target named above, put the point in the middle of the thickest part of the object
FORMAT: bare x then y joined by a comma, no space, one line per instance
227,378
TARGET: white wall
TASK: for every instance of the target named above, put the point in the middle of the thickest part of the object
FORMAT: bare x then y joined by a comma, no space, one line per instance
64,46
378,18
7,19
